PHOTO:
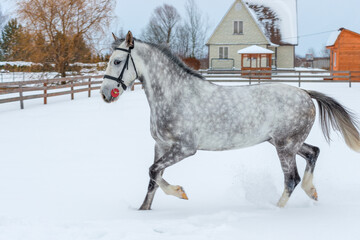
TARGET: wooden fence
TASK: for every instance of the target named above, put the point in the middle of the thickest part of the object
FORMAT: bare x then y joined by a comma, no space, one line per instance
14,91
48,88
284,76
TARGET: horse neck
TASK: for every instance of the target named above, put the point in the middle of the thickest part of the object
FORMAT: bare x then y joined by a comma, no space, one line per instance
162,79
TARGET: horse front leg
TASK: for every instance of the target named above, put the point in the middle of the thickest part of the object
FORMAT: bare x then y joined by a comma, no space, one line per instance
176,153
153,186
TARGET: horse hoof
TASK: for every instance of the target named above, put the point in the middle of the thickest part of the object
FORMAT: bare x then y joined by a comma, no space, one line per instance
315,196
184,196
181,193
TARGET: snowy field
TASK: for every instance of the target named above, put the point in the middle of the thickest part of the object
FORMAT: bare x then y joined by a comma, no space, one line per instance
78,170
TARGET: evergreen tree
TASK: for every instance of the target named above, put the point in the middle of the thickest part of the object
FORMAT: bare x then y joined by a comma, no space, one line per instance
2,20
11,40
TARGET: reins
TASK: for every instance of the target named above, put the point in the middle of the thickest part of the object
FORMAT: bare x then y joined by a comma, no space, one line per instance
120,80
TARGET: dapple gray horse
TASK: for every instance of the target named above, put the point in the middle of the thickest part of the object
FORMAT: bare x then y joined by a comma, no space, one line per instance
189,113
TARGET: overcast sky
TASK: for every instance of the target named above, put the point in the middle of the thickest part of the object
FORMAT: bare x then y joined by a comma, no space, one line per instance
314,16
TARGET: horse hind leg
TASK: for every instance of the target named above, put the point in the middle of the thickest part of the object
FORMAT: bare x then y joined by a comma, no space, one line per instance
287,156
310,154
291,177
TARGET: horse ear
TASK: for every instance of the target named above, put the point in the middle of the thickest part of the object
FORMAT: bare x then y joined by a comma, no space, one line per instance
129,39
115,37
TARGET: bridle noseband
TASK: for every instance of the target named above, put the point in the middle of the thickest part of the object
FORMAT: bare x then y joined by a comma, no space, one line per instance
119,79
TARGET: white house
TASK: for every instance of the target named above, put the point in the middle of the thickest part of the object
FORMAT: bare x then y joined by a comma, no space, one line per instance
270,24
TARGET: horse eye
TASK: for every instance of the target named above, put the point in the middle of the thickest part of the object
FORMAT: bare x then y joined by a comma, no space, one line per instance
117,62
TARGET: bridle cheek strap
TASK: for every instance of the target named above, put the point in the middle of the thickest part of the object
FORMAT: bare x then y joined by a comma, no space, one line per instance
120,80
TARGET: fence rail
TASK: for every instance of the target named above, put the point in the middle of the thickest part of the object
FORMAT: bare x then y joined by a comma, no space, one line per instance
284,76
14,91
47,88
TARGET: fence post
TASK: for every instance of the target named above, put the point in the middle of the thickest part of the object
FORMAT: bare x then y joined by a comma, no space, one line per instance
21,96
45,93
349,79
89,94
250,78
299,79
72,89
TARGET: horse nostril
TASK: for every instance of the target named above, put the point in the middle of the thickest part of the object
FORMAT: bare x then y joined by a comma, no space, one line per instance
103,96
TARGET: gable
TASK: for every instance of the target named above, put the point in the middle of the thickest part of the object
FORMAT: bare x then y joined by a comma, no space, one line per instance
224,32
275,19
349,38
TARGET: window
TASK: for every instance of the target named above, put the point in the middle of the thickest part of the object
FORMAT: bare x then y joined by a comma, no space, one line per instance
223,52
238,27
335,59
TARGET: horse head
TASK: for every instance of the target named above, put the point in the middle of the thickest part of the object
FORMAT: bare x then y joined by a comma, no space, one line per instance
121,70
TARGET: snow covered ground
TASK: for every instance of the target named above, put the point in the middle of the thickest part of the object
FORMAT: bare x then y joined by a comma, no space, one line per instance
78,170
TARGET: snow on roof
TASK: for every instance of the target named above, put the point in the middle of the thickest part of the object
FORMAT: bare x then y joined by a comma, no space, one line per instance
277,18
333,37
261,26
255,50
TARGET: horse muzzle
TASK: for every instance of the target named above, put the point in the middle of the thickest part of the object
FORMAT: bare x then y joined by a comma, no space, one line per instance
110,96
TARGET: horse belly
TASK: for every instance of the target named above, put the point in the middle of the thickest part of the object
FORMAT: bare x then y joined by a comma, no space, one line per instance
234,128
232,140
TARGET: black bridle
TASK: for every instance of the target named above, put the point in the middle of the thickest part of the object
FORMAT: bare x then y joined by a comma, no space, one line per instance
119,79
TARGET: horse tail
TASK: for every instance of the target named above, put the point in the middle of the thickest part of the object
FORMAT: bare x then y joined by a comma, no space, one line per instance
333,114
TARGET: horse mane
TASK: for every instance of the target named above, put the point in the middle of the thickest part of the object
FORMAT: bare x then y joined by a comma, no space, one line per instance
167,52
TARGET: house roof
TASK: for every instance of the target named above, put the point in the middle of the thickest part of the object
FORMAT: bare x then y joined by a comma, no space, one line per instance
255,50
335,35
277,19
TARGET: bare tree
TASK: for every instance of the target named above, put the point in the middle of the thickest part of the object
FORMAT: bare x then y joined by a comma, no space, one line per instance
197,26
182,41
2,19
162,24
324,52
312,52
64,23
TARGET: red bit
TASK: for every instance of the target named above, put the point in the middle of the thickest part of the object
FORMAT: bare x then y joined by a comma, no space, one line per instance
115,93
